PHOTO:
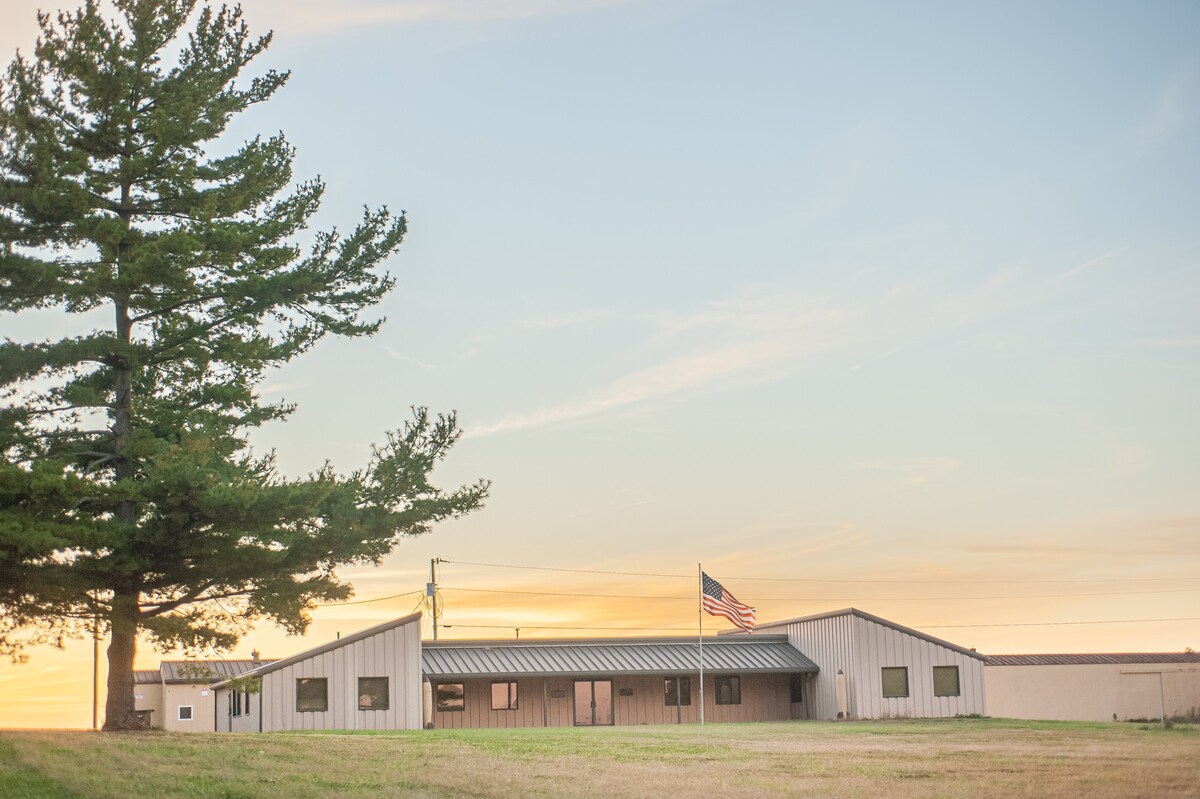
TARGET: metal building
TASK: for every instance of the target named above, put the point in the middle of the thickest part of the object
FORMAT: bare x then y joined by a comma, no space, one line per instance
872,668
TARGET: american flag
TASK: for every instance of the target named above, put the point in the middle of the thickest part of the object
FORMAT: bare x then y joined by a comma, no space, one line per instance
719,602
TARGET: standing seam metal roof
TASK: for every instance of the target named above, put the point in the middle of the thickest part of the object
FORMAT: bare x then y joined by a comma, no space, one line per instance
1101,658
462,659
205,671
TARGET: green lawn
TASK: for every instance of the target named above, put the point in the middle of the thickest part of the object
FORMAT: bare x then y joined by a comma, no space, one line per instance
894,759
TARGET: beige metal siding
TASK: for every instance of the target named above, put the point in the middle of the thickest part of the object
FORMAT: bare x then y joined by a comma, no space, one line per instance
394,653
149,696
828,642
878,646
1092,692
200,697
764,698
861,648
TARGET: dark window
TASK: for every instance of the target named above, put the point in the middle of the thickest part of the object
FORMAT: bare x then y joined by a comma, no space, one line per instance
312,694
945,681
504,696
372,693
246,703
450,696
677,691
895,681
236,696
185,712
796,688
729,690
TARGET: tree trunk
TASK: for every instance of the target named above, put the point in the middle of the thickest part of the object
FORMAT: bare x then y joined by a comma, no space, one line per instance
119,712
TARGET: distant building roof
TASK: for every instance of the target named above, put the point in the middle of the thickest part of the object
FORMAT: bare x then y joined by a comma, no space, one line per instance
146,677
205,671
596,657
862,614
1110,658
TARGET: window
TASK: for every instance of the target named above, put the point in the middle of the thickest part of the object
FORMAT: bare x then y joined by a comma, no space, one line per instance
246,703
895,681
312,694
796,688
450,696
729,690
235,699
185,712
677,691
372,693
504,696
945,681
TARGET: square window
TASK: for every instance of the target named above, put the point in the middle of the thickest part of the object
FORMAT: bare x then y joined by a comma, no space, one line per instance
504,696
312,694
185,712
729,690
450,697
372,693
677,691
796,688
895,681
945,681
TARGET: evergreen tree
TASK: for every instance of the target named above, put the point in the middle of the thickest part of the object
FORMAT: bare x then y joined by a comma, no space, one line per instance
128,493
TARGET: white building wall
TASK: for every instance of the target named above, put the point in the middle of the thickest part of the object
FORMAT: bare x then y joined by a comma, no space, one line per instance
860,648
1092,692
394,653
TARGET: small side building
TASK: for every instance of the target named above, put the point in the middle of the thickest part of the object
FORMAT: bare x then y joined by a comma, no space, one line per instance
1095,687
872,668
176,696
367,681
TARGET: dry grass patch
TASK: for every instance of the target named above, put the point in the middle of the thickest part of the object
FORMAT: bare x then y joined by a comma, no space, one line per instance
895,759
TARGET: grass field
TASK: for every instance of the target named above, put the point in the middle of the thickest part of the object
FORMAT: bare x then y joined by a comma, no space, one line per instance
895,759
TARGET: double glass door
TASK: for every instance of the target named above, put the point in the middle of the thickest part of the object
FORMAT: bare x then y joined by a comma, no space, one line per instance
593,703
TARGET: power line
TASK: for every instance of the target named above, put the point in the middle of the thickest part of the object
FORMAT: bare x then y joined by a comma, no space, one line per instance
1058,623
826,598
365,601
562,593
810,579
531,627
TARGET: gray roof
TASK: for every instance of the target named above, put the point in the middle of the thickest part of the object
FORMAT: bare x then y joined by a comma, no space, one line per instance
269,666
592,657
1100,658
862,614
146,677
205,671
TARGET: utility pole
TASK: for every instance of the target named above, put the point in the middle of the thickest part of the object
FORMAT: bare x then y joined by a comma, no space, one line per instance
96,671
431,592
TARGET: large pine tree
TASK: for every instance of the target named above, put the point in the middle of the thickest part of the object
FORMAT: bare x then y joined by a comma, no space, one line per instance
128,493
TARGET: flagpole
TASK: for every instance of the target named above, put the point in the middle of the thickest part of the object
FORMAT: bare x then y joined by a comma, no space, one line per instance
700,631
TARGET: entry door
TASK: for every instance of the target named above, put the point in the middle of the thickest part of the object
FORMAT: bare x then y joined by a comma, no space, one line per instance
593,703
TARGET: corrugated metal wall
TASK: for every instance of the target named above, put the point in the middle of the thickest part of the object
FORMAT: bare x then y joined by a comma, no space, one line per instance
861,648
829,642
394,653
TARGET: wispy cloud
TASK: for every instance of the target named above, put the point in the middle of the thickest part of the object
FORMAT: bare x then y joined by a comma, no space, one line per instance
916,470
400,356
680,374
280,388
1173,108
1173,343
319,16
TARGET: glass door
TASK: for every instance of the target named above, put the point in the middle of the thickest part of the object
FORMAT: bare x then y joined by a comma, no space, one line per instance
593,703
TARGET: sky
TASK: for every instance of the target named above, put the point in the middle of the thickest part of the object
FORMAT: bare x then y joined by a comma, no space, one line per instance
858,304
